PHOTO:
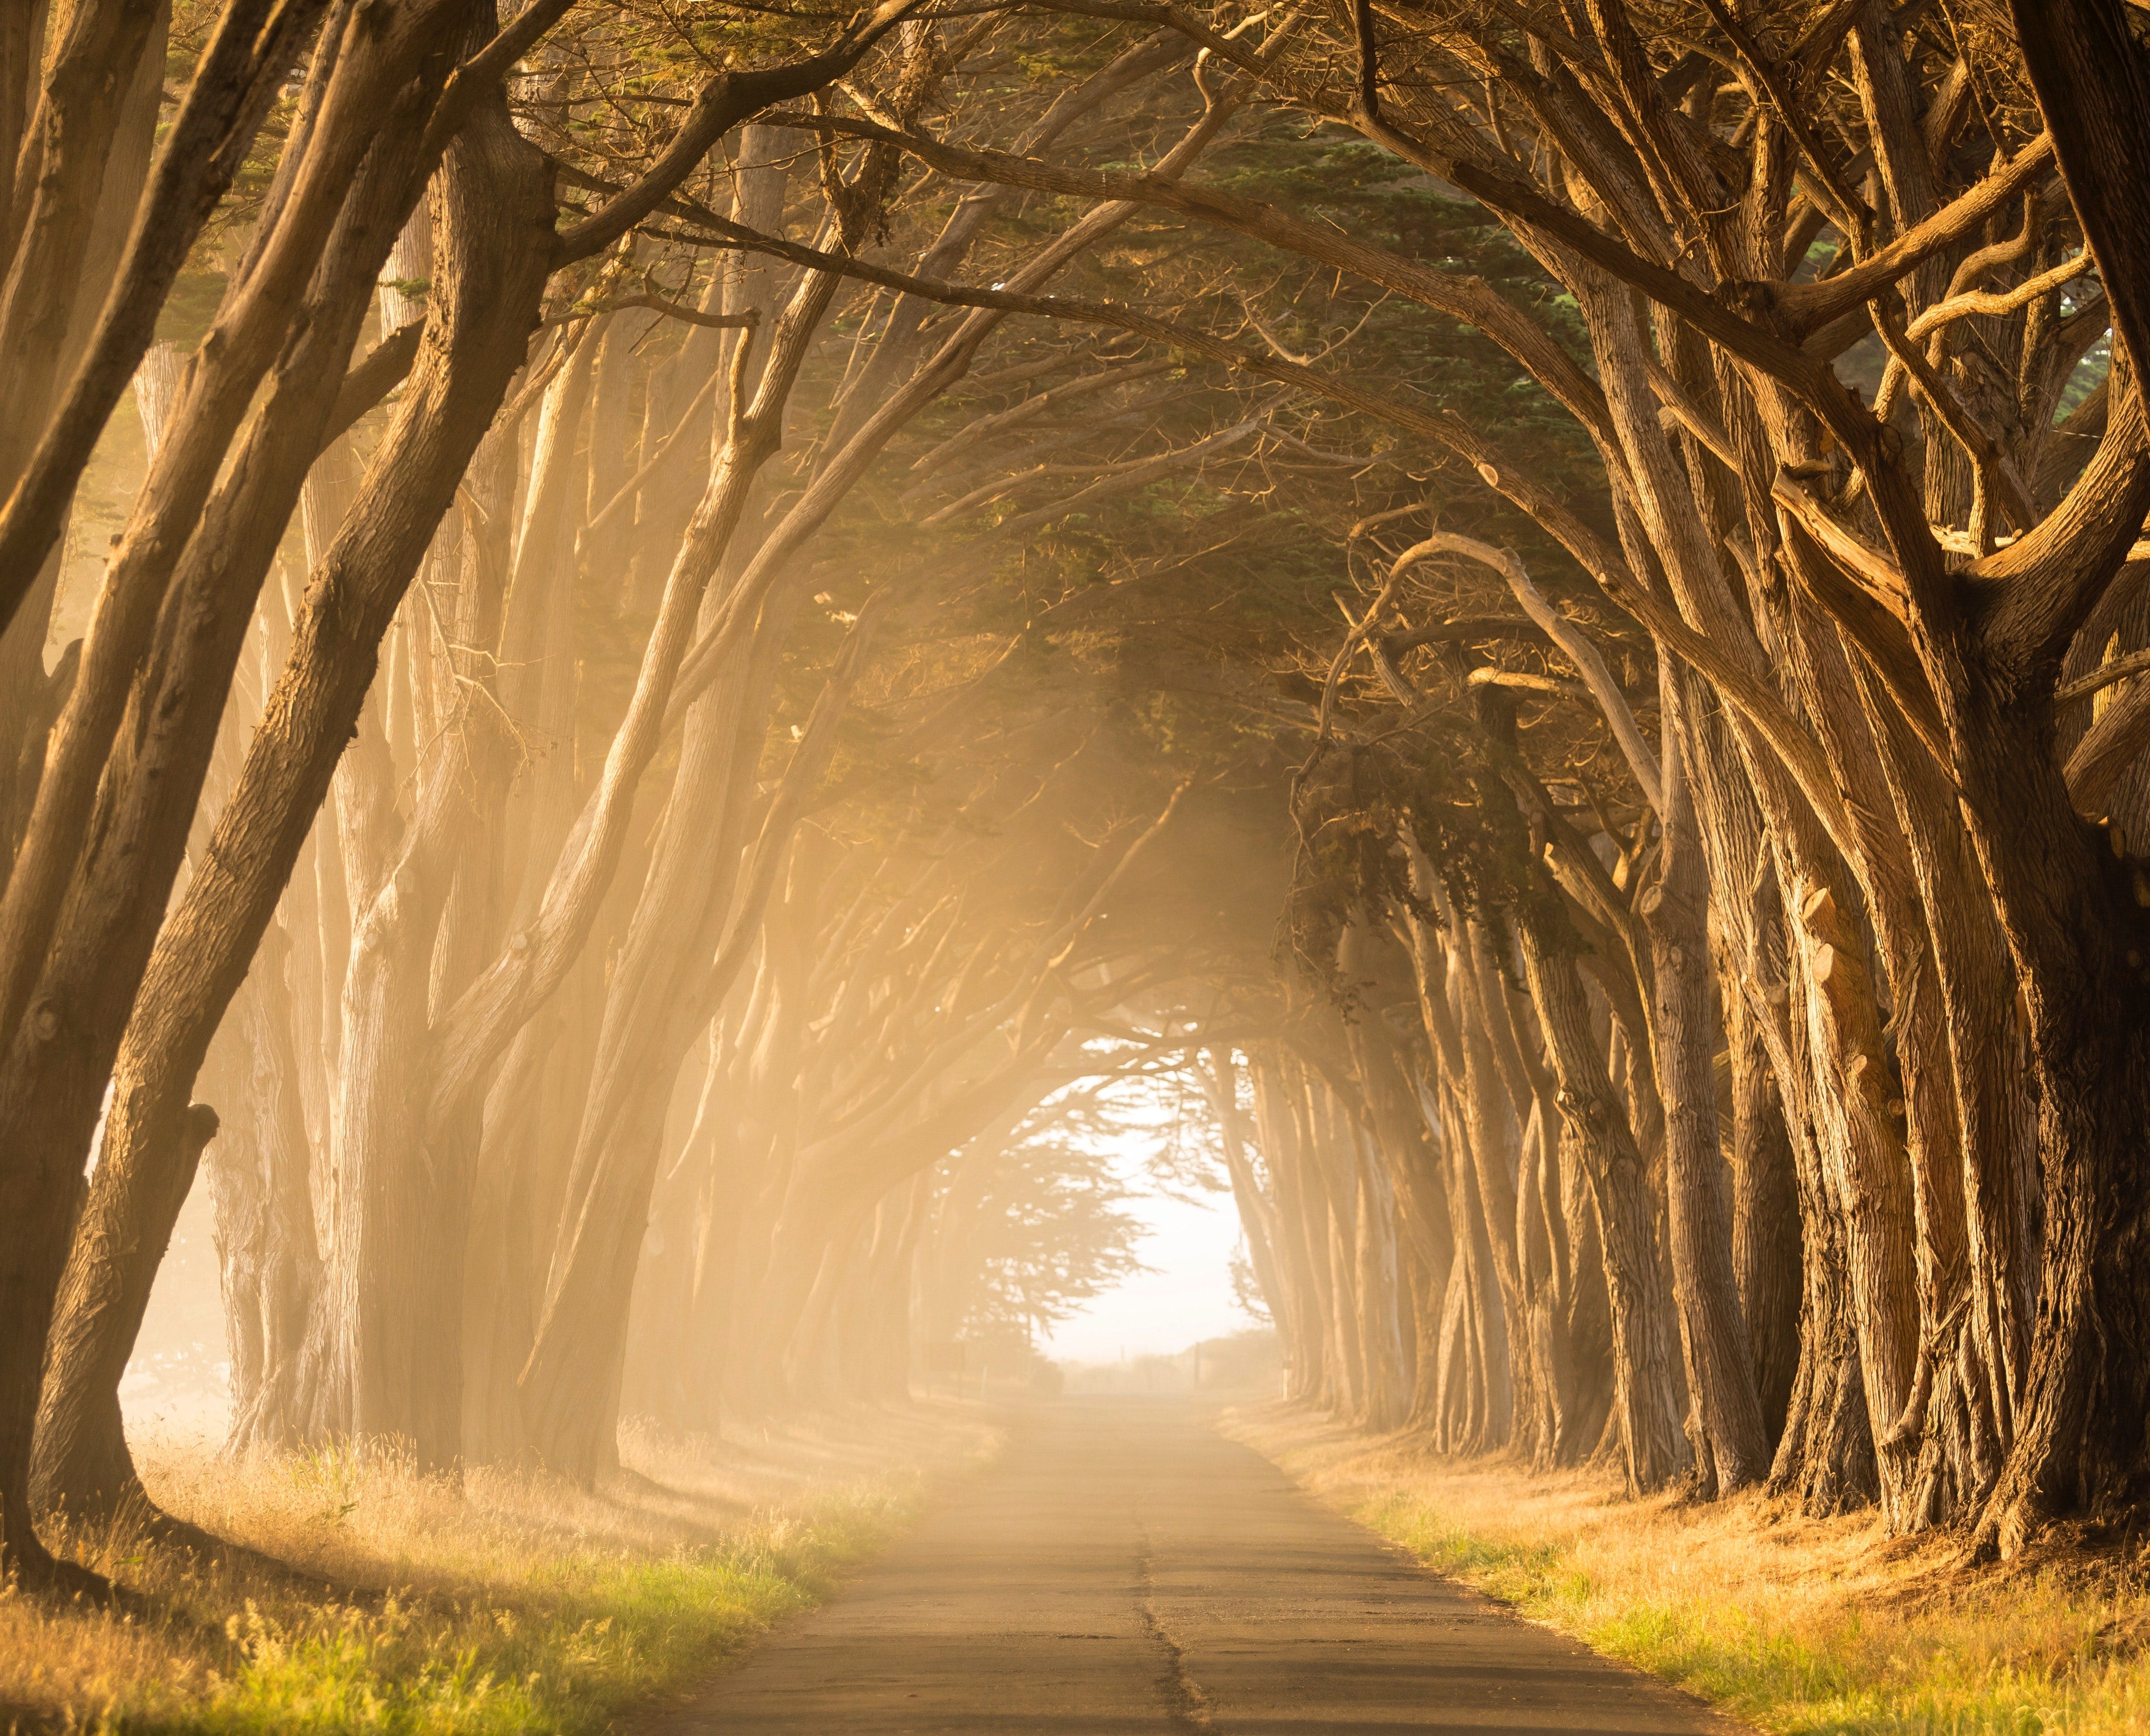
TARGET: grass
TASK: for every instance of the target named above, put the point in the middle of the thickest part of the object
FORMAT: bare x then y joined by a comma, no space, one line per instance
1792,1624
509,1603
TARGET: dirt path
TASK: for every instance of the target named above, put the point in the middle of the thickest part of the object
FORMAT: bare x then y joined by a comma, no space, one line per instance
1125,1569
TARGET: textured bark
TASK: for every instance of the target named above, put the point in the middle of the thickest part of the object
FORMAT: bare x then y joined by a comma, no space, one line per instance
90,119
249,52
314,267
1729,1451
76,972
1825,1455
2069,912
1766,1231
1644,1332
495,212
2075,937
1864,1165
83,1467
95,121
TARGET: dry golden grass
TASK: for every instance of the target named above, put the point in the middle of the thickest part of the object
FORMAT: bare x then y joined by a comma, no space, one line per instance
382,1600
1793,1624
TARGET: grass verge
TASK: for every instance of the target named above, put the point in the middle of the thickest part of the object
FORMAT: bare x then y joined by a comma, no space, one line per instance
1792,1624
508,1602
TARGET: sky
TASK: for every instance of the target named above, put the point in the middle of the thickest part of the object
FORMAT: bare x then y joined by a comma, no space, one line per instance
1187,1296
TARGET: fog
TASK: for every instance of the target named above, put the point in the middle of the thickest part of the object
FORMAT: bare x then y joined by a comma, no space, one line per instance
1184,1296
708,722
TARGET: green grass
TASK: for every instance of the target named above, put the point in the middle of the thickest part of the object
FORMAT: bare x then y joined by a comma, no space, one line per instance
1767,1638
506,1602
583,1639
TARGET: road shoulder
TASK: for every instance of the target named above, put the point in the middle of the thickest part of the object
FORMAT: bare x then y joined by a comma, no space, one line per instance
1790,1623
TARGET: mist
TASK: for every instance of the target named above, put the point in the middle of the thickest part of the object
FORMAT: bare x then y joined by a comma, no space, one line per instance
750,754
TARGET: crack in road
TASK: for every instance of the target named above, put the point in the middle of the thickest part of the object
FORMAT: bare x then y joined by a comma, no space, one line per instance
1185,1701
1127,1568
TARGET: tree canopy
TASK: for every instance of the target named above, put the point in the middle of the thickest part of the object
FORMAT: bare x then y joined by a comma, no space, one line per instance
693,632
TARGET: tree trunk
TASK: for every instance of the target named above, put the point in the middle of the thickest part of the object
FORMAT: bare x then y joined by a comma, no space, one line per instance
1766,1231
287,1268
1825,1455
88,155
1729,1451
82,1465
496,207
1298,1308
1644,1332
92,957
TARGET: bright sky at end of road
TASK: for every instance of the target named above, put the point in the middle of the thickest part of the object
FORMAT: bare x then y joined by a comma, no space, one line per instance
1187,1294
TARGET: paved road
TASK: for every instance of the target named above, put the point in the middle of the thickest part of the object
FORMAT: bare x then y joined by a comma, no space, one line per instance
1125,1568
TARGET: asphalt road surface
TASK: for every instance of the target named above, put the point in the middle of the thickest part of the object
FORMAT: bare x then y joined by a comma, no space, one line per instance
1125,1569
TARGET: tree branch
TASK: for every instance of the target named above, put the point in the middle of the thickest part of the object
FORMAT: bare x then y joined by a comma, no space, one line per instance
1577,644
724,103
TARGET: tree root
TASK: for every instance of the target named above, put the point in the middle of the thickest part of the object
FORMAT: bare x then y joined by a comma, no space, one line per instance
43,1574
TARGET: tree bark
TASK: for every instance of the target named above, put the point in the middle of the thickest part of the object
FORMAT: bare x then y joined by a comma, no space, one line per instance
1644,1341
1729,1449
495,209
1766,1231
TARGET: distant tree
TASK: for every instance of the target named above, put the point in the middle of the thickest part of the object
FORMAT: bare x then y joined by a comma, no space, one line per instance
1025,1232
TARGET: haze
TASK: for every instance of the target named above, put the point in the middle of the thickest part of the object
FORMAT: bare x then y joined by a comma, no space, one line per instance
829,838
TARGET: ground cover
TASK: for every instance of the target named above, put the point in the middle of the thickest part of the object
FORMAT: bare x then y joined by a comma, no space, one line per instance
383,1600
1793,1624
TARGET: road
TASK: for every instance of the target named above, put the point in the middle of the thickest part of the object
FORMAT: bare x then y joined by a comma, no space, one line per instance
1125,1569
